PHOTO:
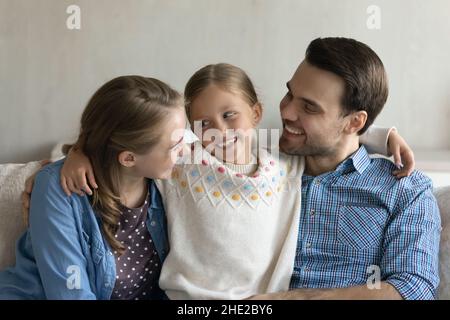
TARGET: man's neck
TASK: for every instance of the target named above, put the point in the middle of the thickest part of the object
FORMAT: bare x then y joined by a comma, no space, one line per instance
317,165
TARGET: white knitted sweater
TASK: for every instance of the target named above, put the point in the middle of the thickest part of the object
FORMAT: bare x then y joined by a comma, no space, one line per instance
231,235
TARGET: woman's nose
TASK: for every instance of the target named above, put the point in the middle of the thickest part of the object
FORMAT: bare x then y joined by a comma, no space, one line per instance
181,152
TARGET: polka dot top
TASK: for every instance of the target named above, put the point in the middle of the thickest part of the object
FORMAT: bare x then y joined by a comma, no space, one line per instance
139,267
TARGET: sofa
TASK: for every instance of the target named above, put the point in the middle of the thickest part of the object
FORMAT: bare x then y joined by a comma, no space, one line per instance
13,176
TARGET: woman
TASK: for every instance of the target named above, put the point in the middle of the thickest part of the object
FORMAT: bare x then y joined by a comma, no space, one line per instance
110,245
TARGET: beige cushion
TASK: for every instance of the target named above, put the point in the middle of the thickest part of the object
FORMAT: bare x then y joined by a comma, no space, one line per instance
12,180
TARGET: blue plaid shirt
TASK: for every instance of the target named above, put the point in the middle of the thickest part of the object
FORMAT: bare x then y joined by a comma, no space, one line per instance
359,219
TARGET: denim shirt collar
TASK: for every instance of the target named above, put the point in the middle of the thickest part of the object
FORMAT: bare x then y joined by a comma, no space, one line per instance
156,200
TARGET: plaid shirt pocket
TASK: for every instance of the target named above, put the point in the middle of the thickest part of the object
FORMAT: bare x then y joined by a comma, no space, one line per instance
361,226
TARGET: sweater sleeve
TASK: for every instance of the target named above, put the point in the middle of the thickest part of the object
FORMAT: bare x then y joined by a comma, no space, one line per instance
375,139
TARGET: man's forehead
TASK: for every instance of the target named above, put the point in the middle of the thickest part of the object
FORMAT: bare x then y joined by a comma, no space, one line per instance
315,83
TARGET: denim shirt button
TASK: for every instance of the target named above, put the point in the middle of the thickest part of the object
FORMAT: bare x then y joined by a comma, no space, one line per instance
153,223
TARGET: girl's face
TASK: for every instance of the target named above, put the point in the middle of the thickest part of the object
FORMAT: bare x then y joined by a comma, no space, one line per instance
227,122
160,160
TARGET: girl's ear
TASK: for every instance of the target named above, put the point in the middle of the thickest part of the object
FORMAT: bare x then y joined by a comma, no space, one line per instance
127,159
257,113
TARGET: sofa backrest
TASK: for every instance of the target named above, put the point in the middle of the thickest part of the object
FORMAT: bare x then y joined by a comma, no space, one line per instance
12,181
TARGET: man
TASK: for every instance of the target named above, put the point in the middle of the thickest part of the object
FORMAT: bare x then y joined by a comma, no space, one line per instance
357,220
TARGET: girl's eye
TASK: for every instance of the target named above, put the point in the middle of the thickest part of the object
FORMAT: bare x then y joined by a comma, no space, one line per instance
205,123
228,114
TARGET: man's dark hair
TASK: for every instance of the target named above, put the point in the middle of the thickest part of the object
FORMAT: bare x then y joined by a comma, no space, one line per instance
366,85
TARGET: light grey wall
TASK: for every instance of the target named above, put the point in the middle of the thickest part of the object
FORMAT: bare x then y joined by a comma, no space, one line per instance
47,72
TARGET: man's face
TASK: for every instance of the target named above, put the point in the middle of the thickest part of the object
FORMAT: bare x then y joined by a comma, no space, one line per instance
311,112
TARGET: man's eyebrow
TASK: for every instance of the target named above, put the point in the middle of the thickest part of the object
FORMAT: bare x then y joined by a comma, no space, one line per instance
311,102
308,101
179,141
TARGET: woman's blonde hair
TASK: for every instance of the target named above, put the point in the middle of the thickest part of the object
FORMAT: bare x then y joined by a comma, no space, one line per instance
223,75
125,114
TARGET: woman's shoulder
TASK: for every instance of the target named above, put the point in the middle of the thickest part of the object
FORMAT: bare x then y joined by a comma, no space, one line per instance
47,191
50,172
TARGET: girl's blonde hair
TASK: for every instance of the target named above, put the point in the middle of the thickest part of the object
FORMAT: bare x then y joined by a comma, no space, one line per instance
223,75
125,114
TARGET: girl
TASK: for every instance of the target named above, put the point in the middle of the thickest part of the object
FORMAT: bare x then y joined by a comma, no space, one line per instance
80,247
233,211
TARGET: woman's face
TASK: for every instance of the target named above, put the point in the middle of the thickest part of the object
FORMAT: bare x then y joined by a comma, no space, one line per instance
160,160
227,122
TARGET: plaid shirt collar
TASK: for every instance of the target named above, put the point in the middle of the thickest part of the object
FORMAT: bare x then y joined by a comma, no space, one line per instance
358,161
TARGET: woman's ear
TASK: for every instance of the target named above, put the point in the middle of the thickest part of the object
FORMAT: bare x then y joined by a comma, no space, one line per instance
127,159
357,121
257,113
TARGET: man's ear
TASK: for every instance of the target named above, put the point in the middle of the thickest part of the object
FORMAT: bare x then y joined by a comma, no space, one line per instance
127,159
356,121
257,113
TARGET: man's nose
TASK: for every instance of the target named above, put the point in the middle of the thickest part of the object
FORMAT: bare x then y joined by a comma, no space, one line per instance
288,110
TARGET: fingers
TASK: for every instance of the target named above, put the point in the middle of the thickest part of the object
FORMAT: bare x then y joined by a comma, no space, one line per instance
25,200
29,184
25,207
407,169
91,179
409,161
83,186
397,158
73,187
65,186
45,162
25,217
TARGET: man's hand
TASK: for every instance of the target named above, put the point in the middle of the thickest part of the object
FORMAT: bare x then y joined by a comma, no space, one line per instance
386,292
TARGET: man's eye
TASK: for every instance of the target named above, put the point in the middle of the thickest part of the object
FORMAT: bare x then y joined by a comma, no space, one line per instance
228,114
309,108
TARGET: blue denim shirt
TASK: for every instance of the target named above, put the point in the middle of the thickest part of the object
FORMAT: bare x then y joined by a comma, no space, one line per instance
63,254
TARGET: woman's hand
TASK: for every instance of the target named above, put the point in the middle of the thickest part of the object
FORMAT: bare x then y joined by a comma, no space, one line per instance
403,155
76,172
